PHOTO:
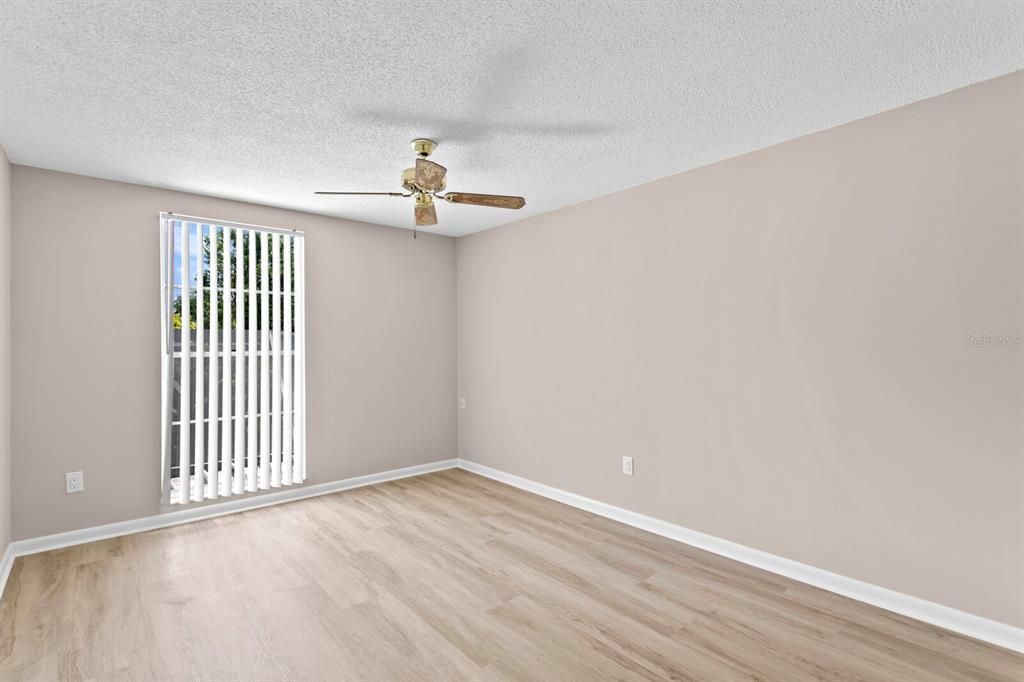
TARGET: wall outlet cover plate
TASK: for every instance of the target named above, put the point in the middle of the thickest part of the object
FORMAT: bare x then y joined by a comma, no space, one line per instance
74,482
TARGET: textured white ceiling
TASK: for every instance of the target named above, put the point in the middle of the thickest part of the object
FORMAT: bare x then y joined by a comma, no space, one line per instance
557,101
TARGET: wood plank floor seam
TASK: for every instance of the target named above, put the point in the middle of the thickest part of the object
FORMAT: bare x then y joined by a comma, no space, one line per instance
446,576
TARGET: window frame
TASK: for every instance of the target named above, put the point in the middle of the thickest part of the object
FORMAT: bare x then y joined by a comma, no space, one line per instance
168,354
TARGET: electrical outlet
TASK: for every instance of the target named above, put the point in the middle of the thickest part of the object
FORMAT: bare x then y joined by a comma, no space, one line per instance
627,466
462,402
74,482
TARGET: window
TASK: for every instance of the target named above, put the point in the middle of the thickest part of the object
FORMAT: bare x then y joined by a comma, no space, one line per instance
233,401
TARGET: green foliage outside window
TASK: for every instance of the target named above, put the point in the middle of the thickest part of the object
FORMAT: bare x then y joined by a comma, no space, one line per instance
239,300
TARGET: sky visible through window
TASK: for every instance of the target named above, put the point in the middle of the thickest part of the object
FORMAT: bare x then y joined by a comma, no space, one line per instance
194,245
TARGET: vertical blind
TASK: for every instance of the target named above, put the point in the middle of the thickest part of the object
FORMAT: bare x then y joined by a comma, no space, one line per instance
233,311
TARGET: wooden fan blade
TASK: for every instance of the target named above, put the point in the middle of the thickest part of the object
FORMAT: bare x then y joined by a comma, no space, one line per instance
382,194
425,215
493,200
430,175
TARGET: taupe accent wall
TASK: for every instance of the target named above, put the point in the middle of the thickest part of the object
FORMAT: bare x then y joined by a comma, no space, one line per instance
5,351
813,349
380,341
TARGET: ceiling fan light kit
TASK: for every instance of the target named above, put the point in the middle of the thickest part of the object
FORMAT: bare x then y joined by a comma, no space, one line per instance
425,181
424,211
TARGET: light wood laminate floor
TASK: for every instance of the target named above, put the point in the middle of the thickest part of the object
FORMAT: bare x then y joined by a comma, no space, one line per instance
445,576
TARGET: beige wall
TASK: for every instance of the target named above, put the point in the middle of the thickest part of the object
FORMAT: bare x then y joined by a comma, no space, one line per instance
778,340
380,345
5,351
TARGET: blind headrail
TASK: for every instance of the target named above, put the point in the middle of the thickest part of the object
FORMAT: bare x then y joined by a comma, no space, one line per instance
227,223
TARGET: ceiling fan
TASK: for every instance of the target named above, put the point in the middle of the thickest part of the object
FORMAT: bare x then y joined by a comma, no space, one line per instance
425,182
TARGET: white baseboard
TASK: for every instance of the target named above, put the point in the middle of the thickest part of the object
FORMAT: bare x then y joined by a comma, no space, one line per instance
206,511
961,622
6,563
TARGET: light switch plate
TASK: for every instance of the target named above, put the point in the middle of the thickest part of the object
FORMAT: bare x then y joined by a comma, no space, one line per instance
627,466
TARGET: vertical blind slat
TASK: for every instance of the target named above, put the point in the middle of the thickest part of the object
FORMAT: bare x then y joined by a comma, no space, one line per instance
264,323
219,438
185,381
167,368
199,385
238,478
250,464
275,369
227,436
299,466
213,448
287,416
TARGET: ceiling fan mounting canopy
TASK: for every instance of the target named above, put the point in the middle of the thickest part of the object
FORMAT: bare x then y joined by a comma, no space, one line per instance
426,180
423,146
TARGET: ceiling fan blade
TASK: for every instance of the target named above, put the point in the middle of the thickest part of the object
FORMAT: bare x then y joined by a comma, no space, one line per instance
430,175
382,194
493,200
425,215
